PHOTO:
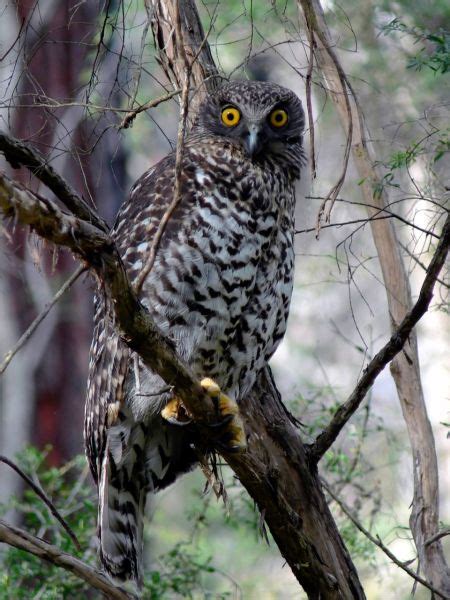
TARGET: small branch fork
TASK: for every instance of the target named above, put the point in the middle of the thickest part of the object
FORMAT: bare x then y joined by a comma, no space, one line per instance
389,350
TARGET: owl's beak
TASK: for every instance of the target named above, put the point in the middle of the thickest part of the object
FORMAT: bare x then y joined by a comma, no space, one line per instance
252,140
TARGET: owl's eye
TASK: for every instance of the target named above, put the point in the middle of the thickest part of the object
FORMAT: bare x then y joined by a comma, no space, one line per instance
278,117
230,116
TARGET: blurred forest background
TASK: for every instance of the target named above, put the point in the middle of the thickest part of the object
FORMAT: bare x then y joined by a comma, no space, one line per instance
69,72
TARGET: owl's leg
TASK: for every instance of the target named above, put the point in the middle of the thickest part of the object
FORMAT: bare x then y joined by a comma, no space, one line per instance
229,431
230,428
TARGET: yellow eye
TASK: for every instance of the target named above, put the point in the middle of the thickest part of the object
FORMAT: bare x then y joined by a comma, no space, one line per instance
278,117
230,116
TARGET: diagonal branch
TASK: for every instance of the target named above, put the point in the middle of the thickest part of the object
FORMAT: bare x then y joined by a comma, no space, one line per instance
387,353
376,540
39,492
29,543
17,153
38,320
97,249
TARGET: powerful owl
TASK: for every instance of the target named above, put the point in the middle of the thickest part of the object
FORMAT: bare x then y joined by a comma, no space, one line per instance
219,288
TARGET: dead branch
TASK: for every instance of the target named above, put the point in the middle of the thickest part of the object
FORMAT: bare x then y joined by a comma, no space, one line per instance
389,350
18,538
38,320
405,368
17,153
377,541
39,492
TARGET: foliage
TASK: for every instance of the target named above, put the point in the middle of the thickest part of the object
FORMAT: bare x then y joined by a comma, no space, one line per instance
435,55
66,486
181,571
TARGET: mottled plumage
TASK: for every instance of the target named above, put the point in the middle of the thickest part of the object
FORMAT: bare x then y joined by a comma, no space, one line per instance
220,288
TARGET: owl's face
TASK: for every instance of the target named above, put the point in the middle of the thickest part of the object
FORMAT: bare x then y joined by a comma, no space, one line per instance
264,118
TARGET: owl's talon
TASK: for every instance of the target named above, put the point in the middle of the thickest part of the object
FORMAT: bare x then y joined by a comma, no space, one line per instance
230,429
175,413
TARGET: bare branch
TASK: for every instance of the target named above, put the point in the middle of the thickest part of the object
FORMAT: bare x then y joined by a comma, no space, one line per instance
18,538
17,153
387,353
38,320
377,541
44,498
132,114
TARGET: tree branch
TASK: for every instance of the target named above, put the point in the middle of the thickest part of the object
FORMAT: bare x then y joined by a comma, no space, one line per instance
325,439
38,320
133,320
39,492
29,543
377,541
17,153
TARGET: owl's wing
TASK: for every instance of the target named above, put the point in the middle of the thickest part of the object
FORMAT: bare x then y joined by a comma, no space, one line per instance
109,361
108,368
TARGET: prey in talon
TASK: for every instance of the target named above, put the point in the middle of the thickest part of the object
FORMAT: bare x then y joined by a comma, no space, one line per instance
219,288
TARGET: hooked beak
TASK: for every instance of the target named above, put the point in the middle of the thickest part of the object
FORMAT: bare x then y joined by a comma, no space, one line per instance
252,139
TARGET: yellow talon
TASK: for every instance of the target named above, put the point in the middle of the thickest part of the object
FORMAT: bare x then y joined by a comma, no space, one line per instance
175,412
234,430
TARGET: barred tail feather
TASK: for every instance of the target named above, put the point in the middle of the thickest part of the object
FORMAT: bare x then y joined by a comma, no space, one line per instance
120,528
138,458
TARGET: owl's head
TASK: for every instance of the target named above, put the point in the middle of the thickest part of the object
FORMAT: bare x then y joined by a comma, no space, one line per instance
263,117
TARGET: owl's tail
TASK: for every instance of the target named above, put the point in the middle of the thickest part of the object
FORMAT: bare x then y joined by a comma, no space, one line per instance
138,458
122,496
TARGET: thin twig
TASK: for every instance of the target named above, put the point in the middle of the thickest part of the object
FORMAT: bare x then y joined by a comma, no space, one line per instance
314,31
38,320
18,538
377,541
325,439
420,263
437,536
44,498
132,114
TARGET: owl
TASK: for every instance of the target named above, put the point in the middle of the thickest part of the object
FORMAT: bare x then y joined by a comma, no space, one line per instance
219,288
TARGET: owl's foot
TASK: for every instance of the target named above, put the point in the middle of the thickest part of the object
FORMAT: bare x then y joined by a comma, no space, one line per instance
230,428
175,413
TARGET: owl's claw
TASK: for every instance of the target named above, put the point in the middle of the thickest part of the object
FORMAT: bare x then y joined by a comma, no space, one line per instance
230,429
175,413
